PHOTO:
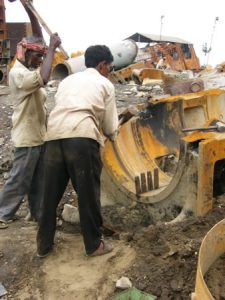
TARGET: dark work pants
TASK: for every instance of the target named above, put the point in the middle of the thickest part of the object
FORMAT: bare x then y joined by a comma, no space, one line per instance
77,159
25,178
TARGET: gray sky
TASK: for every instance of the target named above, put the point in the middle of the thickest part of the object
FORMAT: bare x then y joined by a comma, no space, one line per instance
86,22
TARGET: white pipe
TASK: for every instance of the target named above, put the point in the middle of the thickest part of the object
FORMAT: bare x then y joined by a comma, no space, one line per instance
123,53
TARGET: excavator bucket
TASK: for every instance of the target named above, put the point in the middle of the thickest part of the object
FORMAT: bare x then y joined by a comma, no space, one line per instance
154,162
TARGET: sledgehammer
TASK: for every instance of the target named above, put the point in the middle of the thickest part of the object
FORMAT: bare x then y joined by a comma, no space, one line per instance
42,22
220,127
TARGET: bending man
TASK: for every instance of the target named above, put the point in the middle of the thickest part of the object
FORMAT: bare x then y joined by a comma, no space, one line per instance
85,106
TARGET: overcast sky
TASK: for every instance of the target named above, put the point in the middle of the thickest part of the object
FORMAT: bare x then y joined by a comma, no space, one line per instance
86,22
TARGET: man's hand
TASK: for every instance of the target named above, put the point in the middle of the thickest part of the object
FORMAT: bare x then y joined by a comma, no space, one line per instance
55,41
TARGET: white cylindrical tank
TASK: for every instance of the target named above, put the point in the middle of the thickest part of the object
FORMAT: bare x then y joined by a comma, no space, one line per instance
123,53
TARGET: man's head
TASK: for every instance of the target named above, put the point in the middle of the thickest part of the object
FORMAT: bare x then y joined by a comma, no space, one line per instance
100,58
30,52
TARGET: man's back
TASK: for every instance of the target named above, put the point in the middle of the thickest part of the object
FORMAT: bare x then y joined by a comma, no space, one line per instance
82,102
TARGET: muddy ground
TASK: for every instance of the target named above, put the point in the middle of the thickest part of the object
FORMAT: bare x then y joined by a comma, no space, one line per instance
159,259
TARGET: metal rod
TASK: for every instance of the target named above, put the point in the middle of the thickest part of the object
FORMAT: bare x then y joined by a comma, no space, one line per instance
156,178
200,128
161,25
143,183
137,185
149,181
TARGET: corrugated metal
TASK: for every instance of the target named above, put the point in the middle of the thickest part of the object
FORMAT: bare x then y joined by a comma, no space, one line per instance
15,32
149,38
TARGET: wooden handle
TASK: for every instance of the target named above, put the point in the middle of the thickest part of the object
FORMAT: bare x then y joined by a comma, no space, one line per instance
45,26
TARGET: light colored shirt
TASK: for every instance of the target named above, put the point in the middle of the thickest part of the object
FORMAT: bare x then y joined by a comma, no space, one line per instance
85,107
29,111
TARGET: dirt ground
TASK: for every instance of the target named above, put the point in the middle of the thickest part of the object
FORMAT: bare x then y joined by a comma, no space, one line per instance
159,258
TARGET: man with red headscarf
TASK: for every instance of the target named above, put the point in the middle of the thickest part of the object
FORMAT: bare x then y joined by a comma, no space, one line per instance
27,78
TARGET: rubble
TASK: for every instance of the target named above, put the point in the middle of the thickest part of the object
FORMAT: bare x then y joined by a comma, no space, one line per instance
149,90
70,214
3,291
123,283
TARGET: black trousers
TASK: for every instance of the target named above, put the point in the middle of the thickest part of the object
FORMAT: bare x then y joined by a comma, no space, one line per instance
77,159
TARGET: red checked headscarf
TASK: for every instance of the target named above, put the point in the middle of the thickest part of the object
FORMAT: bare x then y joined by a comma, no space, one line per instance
24,45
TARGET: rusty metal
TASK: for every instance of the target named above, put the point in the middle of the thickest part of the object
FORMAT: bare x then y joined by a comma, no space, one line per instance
137,185
3,29
125,74
144,182
175,56
212,247
4,42
149,181
185,161
138,75
15,33
156,178
179,54
176,86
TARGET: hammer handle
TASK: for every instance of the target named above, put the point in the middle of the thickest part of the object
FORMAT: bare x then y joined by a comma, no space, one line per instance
45,26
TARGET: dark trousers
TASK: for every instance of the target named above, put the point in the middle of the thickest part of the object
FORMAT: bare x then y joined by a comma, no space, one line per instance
25,178
77,159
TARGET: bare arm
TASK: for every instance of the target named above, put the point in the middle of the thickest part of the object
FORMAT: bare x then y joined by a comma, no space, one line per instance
45,69
36,28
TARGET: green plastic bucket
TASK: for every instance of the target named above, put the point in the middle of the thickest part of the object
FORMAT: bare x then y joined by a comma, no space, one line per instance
133,294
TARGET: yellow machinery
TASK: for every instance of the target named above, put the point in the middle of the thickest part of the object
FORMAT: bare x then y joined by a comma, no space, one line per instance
154,162
212,247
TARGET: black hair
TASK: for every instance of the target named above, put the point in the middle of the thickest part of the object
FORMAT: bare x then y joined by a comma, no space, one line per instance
96,54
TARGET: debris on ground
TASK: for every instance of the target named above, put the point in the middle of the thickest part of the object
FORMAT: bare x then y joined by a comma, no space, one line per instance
164,263
123,283
156,258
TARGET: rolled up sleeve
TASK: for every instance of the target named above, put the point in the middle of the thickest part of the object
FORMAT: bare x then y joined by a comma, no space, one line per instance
27,80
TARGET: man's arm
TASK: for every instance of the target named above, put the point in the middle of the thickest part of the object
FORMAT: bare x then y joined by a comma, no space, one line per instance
36,28
45,69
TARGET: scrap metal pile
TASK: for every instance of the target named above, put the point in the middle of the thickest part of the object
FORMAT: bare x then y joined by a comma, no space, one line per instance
155,160
170,151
